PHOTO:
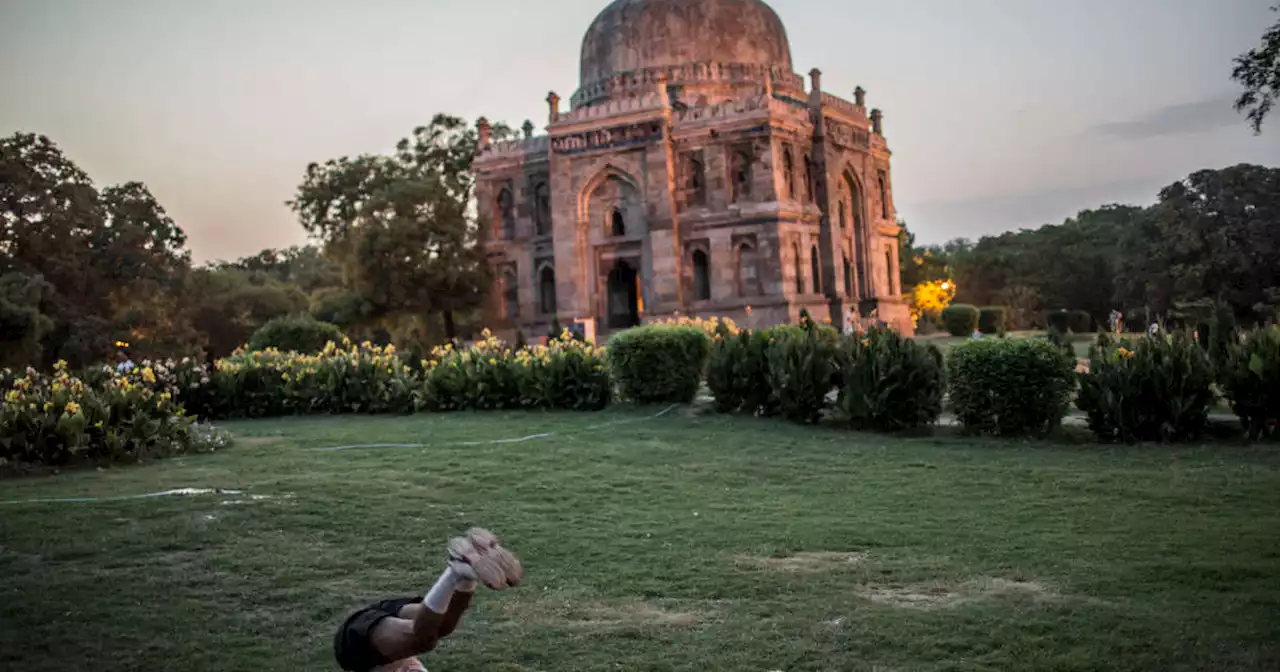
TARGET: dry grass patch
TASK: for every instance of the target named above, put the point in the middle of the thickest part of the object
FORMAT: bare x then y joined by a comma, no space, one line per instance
817,561
943,594
601,613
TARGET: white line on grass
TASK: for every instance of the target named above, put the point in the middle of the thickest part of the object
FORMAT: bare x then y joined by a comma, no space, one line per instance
521,439
166,493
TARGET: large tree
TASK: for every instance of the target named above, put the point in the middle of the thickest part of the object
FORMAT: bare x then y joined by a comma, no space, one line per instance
402,225
1212,236
1258,71
108,257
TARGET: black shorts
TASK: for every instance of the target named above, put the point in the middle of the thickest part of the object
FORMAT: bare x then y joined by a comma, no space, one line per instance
353,646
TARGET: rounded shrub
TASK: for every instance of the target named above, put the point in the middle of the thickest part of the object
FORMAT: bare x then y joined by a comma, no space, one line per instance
658,364
1058,320
1080,322
888,382
960,319
992,320
1151,389
305,335
1010,387
1250,378
802,364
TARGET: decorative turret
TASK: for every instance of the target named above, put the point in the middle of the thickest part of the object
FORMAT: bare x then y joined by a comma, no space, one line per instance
482,131
527,127
877,122
553,102
860,97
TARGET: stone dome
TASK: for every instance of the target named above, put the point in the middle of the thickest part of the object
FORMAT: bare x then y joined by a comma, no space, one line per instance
632,35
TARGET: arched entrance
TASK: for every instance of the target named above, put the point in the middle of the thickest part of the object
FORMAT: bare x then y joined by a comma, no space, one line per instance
624,298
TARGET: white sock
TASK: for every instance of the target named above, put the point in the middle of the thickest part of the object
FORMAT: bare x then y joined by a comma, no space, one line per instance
437,599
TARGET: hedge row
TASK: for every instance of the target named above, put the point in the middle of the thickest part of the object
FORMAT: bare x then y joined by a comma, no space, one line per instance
1151,389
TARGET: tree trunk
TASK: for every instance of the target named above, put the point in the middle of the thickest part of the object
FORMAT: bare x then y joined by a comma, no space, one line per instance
448,325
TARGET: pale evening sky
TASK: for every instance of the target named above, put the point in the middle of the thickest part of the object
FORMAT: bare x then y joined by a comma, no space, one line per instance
1002,114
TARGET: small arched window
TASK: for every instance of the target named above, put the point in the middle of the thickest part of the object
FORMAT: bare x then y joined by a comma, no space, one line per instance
617,224
746,270
542,208
510,295
506,213
701,276
547,290
808,179
816,269
884,196
795,251
740,168
788,175
888,269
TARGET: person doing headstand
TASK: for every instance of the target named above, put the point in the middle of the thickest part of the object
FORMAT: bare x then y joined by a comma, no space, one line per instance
388,636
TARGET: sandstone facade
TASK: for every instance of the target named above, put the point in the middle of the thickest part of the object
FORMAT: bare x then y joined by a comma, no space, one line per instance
694,174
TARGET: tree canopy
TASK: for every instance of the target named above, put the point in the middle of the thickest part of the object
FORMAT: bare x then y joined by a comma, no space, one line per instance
401,225
1258,71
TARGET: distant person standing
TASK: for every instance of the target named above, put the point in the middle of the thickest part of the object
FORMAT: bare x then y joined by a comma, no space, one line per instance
124,363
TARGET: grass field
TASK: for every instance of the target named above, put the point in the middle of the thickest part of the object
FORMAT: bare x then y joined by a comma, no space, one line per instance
670,543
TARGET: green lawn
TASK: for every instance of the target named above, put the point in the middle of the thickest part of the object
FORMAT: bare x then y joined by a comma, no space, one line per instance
675,543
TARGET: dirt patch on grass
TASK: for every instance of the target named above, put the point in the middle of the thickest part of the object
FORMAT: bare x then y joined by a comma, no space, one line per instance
943,594
602,613
817,561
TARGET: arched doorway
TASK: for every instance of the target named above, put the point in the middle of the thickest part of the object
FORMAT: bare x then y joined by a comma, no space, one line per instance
624,299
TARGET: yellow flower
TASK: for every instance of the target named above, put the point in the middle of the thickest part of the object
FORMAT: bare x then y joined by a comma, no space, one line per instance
492,361
284,376
48,406
1124,352
13,397
149,375
60,365
72,408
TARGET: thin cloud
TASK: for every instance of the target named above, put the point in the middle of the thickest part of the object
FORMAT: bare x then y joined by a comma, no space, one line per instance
1194,117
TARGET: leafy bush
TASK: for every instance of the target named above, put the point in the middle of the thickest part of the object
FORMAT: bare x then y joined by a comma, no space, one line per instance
1059,320
339,379
992,320
305,335
659,363
1250,379
567,373
58,420
1152,389
960,319
1010,387
801,367
738,372
889,382
1080,322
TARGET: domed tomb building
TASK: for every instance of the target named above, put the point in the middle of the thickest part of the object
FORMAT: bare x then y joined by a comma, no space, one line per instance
692,173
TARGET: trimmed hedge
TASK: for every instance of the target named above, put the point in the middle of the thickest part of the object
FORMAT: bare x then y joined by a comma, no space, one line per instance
960,319
659,364
1010,387
304,335
992,320
890,383
1152,389
1058,320
1080,322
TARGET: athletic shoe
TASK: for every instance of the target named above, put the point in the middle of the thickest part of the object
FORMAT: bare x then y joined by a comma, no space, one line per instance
507,560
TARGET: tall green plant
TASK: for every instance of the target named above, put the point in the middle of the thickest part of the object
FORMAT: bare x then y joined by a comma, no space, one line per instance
1151,389
1250,379
738,373
801,368
888,382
